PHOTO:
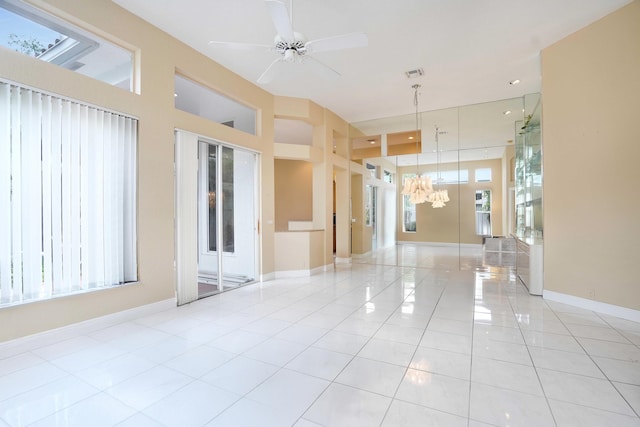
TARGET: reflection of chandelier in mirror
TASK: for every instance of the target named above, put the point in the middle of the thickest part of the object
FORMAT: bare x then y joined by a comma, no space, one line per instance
438,198
418,188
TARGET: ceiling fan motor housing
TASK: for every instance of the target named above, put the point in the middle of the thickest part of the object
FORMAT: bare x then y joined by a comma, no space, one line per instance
296,46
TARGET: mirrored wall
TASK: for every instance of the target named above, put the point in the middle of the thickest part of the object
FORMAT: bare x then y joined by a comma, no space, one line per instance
470,152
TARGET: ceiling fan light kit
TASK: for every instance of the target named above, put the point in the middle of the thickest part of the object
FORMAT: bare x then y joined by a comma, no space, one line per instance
293,46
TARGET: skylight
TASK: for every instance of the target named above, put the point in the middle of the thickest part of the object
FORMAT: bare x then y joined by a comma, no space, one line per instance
33,32
23,35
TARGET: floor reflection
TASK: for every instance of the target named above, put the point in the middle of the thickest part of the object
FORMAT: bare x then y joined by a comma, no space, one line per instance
441,257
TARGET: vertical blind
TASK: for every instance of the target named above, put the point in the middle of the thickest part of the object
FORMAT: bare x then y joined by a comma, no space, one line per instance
67,196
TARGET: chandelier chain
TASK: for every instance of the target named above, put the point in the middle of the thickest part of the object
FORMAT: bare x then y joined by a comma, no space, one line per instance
415,103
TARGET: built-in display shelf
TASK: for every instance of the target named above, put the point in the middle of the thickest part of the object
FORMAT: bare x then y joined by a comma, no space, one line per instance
529,264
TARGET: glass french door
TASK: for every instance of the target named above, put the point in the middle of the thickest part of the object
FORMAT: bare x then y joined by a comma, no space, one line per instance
227,218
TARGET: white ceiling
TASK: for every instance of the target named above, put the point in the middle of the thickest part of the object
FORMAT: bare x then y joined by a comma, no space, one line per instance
469,49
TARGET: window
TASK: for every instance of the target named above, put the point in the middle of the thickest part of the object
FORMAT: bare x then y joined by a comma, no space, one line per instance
194,98
449,176
35,33
483,213
227,196
368,202
373,170
68,196
408,210
483,175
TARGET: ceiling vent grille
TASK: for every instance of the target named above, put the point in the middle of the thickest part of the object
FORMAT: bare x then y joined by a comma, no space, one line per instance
414,73
73,66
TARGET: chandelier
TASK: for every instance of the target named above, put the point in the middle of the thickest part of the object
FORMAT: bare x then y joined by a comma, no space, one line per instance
418,188
438,198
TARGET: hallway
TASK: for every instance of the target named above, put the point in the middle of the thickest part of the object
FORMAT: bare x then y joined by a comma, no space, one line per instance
364,345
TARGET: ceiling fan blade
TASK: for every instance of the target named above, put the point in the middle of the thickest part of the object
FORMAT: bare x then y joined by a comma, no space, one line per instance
281,20
345,41
241,46
271,71
319,68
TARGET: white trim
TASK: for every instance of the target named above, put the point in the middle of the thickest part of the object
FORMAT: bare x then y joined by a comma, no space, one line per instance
302,273
597,306
341,260
267,276
216,141
93,324
359,256
292,273
301,226
327,267
186,216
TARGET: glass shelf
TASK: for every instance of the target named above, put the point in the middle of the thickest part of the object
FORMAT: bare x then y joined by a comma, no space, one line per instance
529,171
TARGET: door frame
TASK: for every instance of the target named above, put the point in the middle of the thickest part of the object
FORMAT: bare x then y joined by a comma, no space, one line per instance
186,212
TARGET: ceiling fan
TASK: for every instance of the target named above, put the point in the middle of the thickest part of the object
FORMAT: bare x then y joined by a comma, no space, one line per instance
293,46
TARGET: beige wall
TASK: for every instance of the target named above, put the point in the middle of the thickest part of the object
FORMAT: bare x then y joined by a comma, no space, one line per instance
293,192
159,57
455,223
591,140
329,131
299,252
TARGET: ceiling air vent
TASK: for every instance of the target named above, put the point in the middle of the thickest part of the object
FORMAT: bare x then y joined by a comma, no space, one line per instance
73,66
414,73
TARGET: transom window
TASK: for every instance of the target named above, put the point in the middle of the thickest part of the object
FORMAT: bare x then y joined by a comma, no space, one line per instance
194,98
454,176
483,175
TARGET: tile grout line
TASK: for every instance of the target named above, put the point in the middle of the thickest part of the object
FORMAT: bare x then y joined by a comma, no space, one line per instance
533,364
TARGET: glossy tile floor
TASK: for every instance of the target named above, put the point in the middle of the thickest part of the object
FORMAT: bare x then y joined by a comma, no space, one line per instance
364,345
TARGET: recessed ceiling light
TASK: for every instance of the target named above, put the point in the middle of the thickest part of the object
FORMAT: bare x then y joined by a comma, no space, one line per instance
514,82
175,95
410,137
372,141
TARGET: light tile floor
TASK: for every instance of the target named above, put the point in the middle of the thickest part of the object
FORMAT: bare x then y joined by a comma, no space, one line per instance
364,345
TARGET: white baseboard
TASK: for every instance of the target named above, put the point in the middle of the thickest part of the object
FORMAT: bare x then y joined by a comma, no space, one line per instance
97,322
327,267
597,306
359,256
442,244
340,260
267,276
302,273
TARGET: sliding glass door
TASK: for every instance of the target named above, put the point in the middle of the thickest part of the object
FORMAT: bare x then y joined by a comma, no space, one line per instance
227,219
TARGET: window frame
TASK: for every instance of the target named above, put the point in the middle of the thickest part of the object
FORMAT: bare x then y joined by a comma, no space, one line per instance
55,133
